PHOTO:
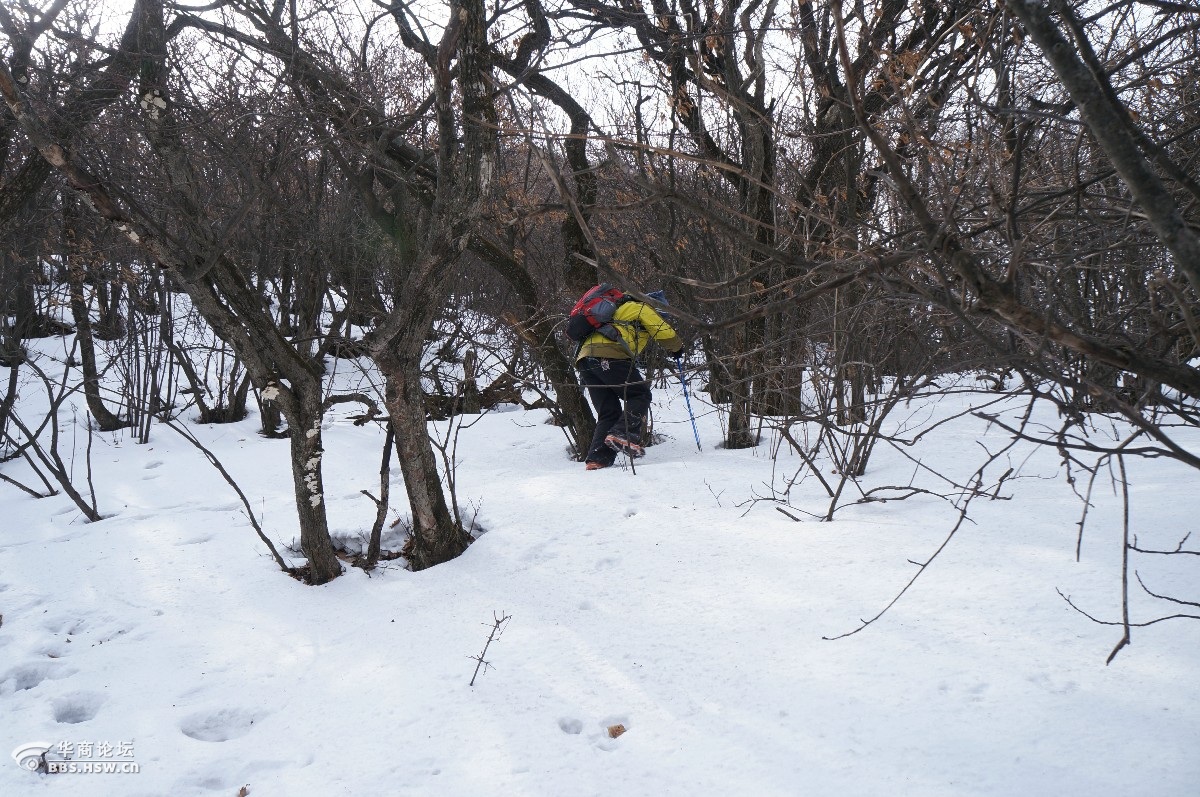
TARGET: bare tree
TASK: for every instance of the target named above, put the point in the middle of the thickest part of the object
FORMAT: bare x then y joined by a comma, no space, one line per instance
215,283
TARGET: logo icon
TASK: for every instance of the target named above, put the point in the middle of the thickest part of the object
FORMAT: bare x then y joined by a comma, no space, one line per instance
31,756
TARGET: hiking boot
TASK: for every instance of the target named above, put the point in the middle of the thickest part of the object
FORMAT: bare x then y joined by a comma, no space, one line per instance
595,466
624,446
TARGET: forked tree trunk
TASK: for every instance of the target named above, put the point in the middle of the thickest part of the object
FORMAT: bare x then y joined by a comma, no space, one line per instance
436,536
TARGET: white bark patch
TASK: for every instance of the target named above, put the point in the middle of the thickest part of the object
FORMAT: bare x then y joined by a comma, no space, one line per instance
487,168
153,99
153,102
270,393
310,481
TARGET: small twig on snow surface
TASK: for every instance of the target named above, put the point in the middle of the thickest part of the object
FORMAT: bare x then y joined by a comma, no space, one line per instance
962,515
499,623
970,491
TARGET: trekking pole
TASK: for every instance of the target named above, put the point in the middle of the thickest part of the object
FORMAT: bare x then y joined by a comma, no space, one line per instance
688,399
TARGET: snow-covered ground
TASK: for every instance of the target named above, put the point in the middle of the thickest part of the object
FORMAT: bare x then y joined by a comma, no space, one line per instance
665,602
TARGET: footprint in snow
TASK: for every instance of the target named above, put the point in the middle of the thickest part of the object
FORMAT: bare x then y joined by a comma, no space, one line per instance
539,553
53,650
612,728
29,676
220,725
97,630
606,737
64,625
77,707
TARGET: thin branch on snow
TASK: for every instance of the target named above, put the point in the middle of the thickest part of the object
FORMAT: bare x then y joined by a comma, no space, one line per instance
216,463
1138,576
962,516
499,623
1124,561
1098,621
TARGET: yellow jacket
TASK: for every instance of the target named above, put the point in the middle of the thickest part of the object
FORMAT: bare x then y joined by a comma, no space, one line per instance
637,323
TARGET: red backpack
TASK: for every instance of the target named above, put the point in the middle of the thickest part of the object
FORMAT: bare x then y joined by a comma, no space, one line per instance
594,313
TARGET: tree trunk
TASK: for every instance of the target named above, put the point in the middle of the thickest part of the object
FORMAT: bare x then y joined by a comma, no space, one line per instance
436,536
471,404
105,419
306,450
77,266
571,411
573,414
270,419
740,433
217,285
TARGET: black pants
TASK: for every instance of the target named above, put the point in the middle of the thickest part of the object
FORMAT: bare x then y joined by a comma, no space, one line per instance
611,382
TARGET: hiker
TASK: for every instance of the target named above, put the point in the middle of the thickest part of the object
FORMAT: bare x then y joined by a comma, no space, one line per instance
608,370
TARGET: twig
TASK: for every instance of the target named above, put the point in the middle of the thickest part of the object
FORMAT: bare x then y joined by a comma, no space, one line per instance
1135,547
962,515
786,434
29,490
789,514
381,503
1145,624
1124,562
54,464
1087,504
499,621
362,398
216,463
1138,576
90,473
